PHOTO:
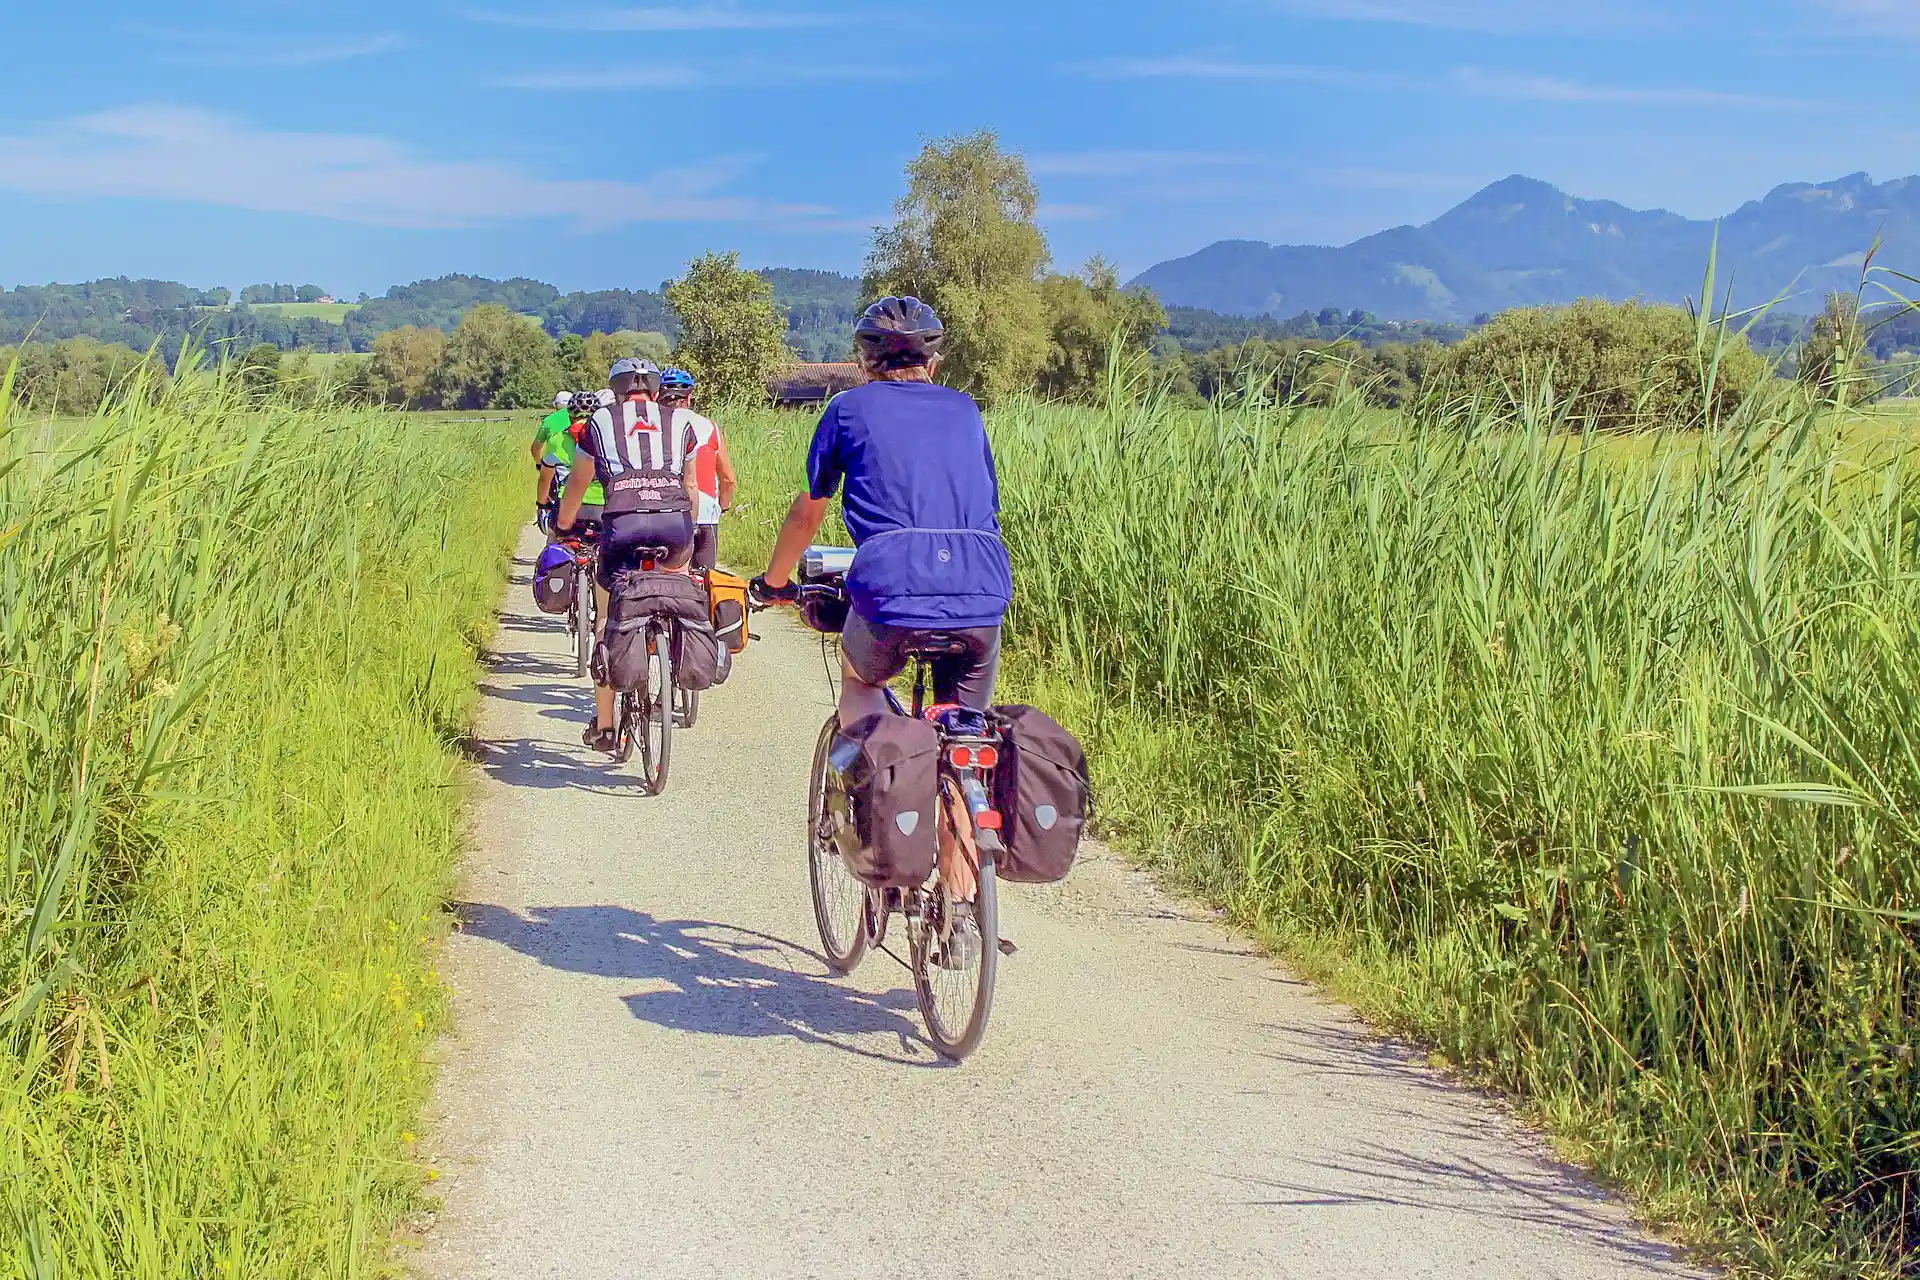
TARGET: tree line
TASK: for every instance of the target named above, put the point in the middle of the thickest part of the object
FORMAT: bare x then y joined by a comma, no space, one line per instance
965,238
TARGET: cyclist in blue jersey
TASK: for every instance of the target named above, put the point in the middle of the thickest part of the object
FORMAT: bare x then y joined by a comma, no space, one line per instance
920,496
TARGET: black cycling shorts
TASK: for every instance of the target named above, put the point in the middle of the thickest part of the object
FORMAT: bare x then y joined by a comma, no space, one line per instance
876,652
706,547
622,536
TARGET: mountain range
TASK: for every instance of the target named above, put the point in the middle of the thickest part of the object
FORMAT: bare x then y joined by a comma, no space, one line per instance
1522,242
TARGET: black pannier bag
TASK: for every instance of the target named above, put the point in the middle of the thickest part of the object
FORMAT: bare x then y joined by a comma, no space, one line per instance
1043,795
696,656
638,596
883,777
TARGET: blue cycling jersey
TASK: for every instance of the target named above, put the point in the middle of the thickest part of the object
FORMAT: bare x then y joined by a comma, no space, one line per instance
921,499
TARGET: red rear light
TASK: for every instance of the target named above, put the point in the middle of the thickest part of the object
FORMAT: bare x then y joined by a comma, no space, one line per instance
987,820
985,757
961,757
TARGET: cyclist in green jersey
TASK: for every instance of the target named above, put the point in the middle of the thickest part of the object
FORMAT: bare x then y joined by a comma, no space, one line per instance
560,434
543,461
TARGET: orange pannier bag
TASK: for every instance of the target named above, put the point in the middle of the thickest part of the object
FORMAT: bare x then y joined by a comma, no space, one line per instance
727,603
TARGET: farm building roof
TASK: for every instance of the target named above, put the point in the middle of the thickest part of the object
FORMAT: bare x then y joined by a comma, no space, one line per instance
811,383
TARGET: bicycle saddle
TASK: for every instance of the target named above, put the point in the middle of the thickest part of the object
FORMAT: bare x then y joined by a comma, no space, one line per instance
936,644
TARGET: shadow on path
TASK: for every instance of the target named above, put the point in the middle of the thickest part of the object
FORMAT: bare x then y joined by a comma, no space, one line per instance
722,979
543,766
1542,1192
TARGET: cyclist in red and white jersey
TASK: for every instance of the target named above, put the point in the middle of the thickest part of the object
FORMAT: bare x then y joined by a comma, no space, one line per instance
713,469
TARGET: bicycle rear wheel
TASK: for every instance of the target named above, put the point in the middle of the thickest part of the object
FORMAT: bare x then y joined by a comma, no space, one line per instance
686,707
656,710
586,619
626,722
953,976
839,900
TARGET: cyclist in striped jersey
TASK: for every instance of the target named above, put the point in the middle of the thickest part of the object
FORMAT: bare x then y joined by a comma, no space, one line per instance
639,451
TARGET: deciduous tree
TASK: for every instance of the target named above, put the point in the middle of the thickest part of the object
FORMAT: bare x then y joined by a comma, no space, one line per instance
1088,316
732,336
964,240
403,362
602,349
495,359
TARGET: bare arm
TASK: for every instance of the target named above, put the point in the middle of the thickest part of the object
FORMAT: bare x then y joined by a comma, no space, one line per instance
723,468
796,535
576,490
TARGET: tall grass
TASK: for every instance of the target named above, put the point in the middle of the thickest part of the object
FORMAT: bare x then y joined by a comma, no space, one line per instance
236,652
1595,767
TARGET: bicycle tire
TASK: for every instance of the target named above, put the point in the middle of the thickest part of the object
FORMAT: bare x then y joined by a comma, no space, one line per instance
687,707
584,624
625,716
947,1042
656,710
827,875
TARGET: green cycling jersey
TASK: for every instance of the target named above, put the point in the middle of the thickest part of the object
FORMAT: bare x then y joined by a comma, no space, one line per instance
556,437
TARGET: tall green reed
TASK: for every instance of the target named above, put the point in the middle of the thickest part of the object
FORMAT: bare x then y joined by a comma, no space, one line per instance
1589,761
238,648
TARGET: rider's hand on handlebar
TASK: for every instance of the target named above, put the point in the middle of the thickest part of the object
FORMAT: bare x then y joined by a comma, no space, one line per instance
761,594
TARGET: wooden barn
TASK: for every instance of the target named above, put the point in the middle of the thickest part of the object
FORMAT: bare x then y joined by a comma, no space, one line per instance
803,384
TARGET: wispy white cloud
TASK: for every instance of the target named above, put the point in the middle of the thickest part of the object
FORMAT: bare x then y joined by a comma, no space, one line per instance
206,48
1130,164
1364,179
1206,67
706,18
1873,17
1071,213
1527,87
1495,17
650,76
184,154
653,76
1472,81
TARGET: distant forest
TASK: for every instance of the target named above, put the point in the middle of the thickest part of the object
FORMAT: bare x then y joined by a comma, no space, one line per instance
820,306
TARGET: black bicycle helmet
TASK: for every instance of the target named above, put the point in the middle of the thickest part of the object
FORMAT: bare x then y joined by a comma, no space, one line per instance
583,404
899,331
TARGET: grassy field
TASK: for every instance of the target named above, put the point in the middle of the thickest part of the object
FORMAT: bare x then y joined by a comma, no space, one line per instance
1589,764
237,658
332,312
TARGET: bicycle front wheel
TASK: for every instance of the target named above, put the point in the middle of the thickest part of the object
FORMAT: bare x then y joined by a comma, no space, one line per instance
954,968
656,710
839,900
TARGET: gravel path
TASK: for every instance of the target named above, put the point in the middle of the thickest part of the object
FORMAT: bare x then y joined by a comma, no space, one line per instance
653,1074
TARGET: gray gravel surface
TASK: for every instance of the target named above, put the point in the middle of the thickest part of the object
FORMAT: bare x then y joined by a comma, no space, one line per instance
654,1075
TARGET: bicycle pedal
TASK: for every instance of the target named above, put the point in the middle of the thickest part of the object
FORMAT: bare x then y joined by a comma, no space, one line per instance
1006,947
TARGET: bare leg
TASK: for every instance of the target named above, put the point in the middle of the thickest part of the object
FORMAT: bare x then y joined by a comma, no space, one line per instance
957,853
858,699
602,694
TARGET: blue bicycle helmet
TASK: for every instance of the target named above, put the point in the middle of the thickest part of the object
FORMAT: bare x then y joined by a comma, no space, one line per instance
675,381
899,331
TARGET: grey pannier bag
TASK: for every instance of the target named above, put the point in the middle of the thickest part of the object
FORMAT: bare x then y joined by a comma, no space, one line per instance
1043,795
637,597
883,780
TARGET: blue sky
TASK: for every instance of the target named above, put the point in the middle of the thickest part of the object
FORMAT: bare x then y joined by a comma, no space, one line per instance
358,144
